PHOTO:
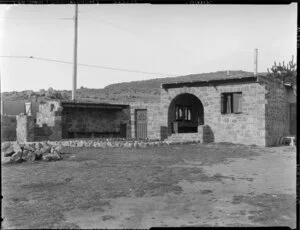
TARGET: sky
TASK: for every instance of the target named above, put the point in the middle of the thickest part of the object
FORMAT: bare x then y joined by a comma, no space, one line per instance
164,40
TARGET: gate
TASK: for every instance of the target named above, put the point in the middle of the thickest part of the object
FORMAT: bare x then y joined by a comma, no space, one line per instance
141,123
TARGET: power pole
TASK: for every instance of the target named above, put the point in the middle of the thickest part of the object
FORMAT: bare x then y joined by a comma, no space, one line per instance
75,54
255,61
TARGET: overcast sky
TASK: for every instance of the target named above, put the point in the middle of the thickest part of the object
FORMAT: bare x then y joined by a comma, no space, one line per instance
170,39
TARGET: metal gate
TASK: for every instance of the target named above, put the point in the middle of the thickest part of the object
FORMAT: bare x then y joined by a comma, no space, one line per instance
141,123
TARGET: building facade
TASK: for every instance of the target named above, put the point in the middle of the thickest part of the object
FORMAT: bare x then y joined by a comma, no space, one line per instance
252,110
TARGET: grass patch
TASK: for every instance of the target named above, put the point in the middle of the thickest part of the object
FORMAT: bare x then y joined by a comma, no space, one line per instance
272,208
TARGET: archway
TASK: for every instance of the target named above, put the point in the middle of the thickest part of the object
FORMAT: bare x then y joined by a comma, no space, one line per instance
185,114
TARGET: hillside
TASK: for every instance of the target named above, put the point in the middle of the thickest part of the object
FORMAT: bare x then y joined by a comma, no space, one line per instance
145,91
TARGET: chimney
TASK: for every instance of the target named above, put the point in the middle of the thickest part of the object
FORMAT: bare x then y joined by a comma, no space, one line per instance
255,61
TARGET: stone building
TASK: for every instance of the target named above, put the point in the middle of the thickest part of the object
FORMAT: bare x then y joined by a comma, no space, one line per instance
244,109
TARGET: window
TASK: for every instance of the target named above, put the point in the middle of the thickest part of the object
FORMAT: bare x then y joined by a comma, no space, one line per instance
231,103
52,107
183,113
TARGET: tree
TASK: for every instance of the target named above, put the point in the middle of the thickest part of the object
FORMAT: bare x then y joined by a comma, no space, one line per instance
286,73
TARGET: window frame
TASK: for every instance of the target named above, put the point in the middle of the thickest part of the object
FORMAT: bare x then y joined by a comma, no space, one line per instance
224,101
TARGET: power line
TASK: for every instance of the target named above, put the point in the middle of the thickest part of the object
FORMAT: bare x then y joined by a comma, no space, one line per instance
87,65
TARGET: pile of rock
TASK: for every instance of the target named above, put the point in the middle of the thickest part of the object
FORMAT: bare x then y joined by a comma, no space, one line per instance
13,152
116,143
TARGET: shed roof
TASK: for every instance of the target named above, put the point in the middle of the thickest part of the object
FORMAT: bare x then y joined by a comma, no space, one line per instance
92,105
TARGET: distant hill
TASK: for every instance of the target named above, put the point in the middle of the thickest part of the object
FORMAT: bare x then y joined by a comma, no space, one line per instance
145,91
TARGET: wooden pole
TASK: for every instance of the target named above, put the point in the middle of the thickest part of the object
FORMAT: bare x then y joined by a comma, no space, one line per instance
255,61
75,54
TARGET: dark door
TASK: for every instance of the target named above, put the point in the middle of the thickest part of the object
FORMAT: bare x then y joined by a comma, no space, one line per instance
141,123
293,119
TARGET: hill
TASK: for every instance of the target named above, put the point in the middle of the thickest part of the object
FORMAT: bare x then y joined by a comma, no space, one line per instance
145,91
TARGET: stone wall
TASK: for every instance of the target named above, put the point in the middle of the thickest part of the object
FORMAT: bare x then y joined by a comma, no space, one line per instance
25,128
154,128
247,127
49,121
276,110
95,121
8,128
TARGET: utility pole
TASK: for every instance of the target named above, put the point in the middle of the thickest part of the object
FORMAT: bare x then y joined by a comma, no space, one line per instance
75,54
255,61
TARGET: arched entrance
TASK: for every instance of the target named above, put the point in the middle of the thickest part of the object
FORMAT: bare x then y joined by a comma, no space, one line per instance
185,114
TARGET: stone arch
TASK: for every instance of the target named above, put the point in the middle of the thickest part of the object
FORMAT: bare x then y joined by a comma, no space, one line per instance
185,113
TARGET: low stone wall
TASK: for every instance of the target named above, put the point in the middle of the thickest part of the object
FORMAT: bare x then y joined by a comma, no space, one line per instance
8,128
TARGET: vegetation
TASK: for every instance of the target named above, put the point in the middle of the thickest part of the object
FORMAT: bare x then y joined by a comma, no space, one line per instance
286,73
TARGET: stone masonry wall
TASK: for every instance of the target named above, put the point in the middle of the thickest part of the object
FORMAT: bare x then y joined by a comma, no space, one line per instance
154,129
25,128
247,127
49,121
276,110
8,128
89,120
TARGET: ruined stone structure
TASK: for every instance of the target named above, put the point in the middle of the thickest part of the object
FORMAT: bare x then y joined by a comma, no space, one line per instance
245,109
8,128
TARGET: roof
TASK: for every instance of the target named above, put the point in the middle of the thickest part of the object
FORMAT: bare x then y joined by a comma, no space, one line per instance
68,104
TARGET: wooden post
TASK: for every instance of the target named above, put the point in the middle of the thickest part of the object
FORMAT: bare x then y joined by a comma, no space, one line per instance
255,61
75,54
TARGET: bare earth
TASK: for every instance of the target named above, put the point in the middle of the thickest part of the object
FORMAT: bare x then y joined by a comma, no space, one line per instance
177,185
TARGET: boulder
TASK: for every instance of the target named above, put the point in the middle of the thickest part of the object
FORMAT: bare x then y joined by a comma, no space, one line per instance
17,157
29,155
17,148
38,146
5,145
109,144
135,144
8,151
45,150
58,148
6,160
29,147
51,156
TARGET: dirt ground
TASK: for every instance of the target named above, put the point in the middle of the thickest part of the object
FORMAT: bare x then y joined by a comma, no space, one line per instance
177,185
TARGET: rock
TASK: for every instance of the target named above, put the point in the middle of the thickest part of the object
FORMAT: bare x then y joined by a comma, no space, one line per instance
135,144
28,147
58,148
80,144
17,157
29,155
17,148
109,144
6,160
8,151
51,156
5,145
45,150
38,146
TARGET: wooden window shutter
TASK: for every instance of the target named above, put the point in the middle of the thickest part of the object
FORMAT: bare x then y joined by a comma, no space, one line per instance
237,102
222,103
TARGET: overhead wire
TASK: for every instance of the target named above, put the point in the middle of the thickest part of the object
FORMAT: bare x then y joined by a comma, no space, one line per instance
89,65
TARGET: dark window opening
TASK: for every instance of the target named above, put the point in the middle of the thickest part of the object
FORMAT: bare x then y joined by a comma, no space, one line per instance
52,107
231,103
183,113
